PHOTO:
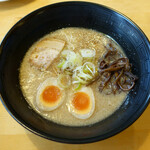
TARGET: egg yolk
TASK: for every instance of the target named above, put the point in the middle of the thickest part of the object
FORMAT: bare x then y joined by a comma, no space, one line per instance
51,94
81,101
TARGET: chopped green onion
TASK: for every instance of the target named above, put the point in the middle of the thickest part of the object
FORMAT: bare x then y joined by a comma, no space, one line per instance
72,64
89,67
79,76
60,65
64,80
77,87
72,60
87,53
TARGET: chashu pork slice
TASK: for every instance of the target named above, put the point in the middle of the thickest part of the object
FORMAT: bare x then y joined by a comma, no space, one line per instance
50,43
45,52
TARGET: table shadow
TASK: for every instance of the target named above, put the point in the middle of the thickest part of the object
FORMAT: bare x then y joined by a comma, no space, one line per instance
12,4
126,140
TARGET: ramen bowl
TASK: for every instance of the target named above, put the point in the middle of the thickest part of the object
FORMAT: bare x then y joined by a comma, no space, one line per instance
74,14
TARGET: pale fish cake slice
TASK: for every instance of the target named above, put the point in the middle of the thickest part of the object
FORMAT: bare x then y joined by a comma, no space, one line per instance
44,58
45,52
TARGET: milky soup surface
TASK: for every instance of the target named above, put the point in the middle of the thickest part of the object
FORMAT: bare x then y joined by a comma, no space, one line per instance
31,78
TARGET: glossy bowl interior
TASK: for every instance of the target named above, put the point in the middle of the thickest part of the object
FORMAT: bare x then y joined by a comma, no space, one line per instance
74,14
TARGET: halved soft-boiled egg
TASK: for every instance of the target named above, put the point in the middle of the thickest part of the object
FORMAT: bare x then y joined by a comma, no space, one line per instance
49,95
82,103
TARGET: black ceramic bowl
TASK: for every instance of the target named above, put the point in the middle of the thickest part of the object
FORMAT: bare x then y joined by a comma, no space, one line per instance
74,14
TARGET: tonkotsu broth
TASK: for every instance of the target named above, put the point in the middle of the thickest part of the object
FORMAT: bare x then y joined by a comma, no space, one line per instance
76,39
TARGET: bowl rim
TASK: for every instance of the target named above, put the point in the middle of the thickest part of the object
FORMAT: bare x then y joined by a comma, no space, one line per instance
130,121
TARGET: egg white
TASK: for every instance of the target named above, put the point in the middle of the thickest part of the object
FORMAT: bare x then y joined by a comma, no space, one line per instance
84,114
43,105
